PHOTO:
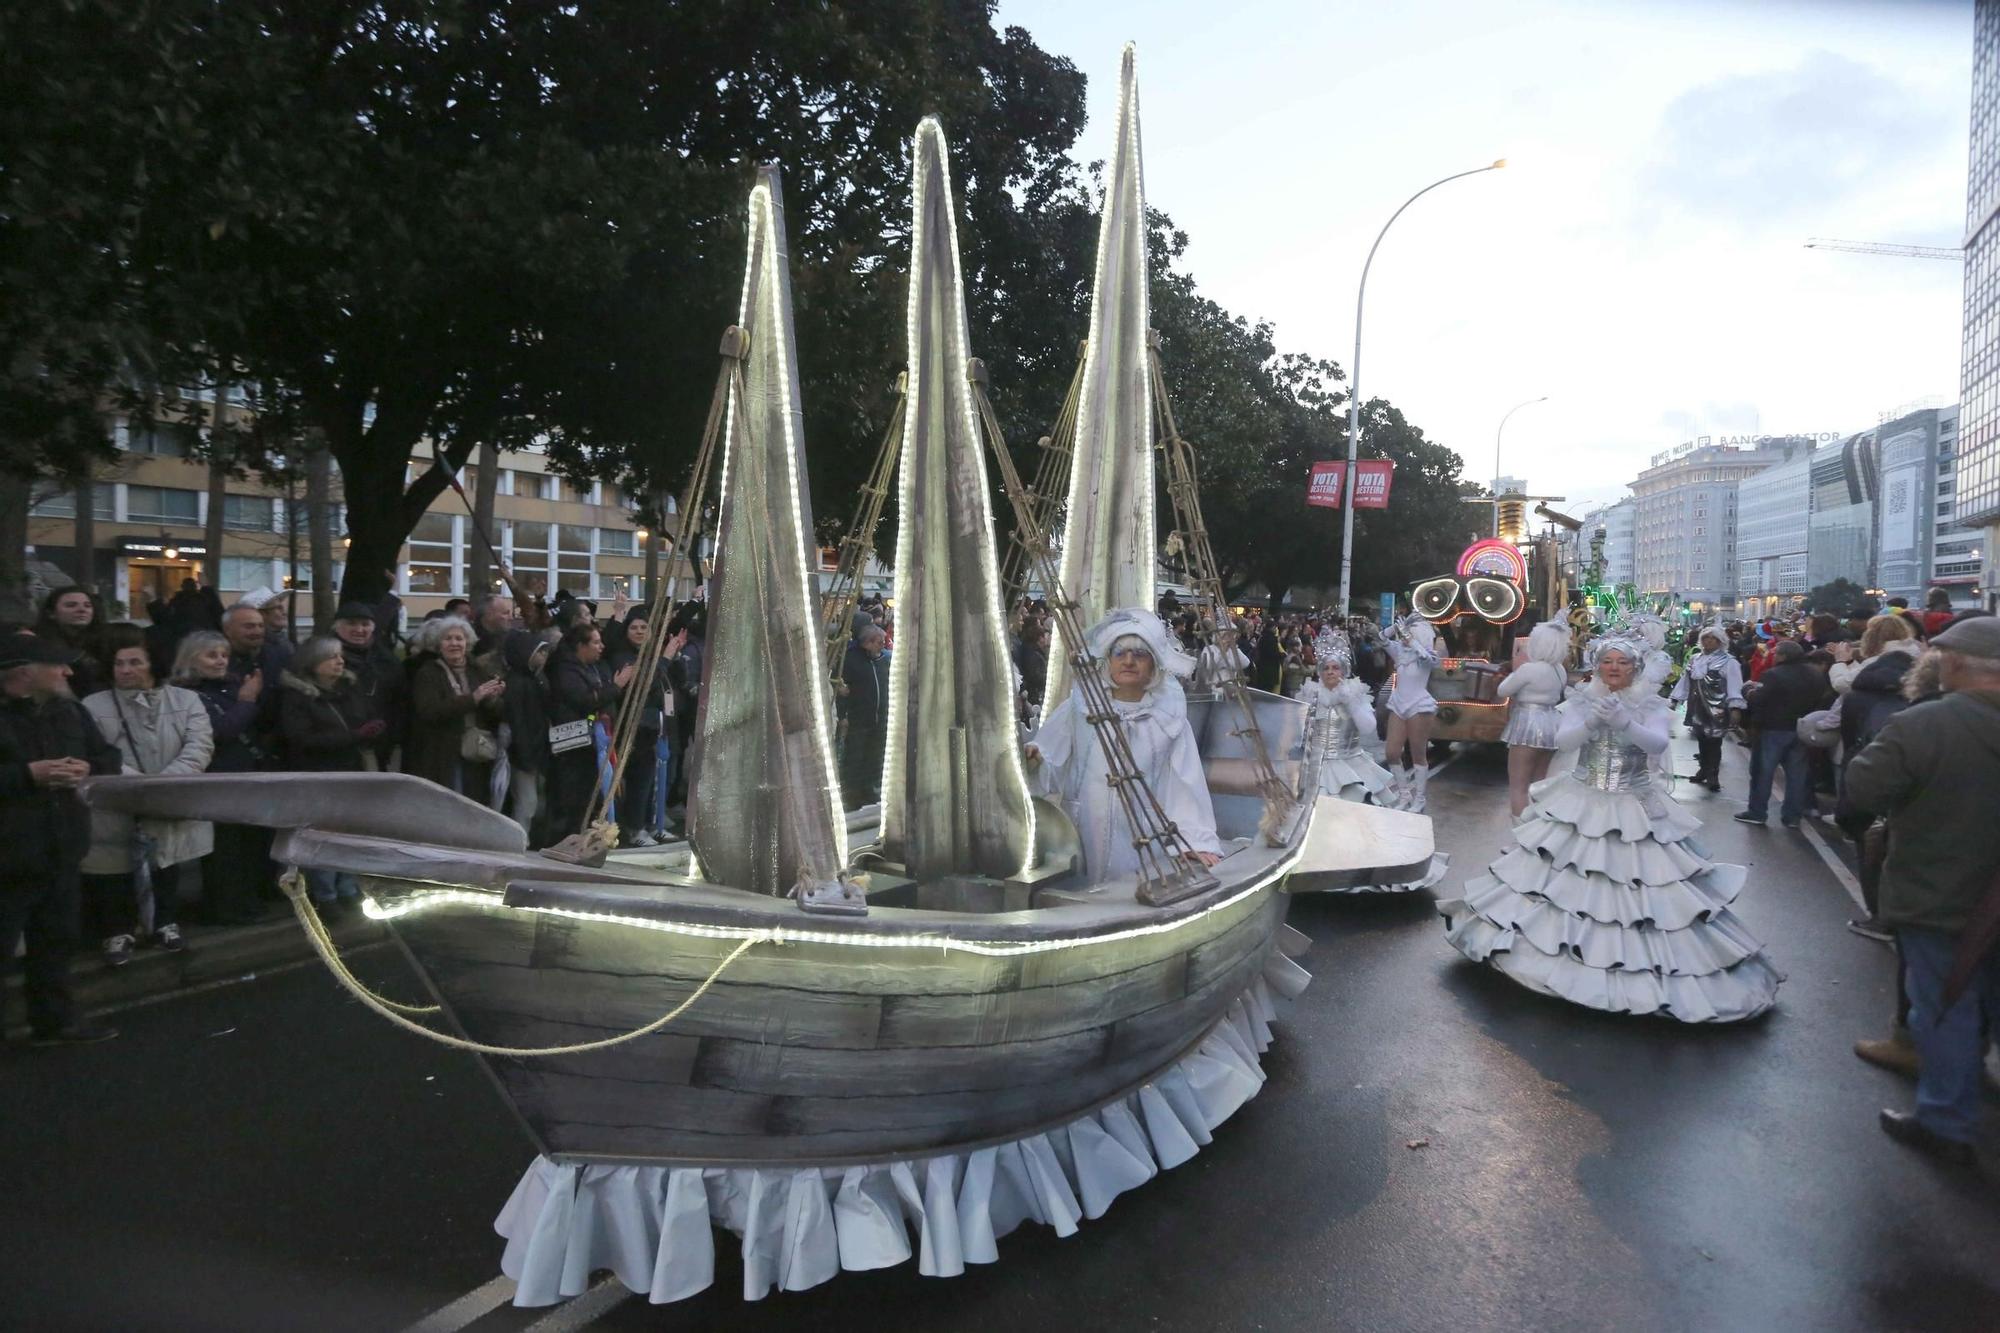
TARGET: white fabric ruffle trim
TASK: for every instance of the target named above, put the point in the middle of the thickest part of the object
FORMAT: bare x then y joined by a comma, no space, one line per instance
1350,776
1440,863
652,1226
1708,944
1631,816
1608,903
1743,991
1670,906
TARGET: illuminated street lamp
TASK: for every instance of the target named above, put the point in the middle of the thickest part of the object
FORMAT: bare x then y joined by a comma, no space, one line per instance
1354,386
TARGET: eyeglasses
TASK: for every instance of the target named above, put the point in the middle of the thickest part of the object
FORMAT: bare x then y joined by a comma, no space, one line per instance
1131,652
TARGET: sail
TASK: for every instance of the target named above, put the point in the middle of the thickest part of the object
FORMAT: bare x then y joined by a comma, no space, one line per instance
1107,541
954,796
764,810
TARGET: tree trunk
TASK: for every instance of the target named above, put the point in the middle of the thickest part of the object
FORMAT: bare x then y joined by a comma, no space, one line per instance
218,490
291,552
487,485
653,539
86,535
319,529
15,602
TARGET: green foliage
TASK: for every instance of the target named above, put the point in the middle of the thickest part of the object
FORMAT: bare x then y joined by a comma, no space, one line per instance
1838,597
515,221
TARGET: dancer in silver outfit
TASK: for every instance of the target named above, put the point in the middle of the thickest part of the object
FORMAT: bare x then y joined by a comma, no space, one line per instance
1603,897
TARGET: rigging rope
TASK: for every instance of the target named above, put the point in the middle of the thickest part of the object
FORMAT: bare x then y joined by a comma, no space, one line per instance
293,884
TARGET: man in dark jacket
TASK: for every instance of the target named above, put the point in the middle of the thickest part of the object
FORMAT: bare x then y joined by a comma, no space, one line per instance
1933,771
1786,692
48,744
865,706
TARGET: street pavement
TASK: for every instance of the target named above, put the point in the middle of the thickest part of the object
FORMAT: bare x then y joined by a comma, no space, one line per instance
1436,1148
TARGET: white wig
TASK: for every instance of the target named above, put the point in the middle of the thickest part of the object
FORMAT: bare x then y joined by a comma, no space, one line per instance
1549,642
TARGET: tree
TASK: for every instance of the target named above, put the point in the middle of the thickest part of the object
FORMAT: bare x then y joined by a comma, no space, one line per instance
1839,596
497,223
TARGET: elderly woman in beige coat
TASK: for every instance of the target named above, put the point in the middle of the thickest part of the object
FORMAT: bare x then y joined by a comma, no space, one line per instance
160,731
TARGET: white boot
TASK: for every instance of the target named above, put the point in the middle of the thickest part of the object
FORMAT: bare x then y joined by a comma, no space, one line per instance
1420,779
1399,788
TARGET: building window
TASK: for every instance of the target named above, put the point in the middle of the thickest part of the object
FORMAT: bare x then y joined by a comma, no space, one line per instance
528,554
574,562
432,546
615,541
162,504
62,504
610,585
305,578
531,485
156,439
242,573
248,513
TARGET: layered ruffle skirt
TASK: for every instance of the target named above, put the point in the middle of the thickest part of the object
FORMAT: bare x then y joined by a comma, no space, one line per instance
1604,899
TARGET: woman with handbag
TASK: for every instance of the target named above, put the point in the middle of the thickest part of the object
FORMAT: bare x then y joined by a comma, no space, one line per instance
454,709
160,731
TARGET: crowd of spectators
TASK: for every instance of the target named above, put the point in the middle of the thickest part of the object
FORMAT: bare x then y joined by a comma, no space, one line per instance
466,700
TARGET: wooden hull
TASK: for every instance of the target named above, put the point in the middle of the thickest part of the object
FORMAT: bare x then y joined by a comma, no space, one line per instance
821,1052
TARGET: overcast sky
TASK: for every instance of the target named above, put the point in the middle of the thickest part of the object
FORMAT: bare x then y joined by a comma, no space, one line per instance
1641,258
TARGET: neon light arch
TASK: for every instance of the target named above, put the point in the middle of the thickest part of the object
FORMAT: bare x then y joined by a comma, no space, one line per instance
1493,558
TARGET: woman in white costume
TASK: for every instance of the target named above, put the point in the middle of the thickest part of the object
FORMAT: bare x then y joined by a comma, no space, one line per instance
1413,646
1346,769
1139,665
1221,661
1603,898
1532,691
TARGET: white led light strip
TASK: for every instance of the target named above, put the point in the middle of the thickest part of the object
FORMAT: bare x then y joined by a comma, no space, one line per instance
955,369
425,900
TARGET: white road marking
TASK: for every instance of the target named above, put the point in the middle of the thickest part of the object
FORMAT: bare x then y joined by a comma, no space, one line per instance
583,1311
475,1304
1456,754
1835,864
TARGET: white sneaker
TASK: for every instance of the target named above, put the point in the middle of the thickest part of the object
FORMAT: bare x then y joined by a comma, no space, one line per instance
644,839
118,950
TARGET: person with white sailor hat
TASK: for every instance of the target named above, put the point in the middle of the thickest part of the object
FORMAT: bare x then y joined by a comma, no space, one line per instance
1142,668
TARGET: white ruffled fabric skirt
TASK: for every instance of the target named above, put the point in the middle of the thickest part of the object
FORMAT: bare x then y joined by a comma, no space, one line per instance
653,1226
1606,901
1353,775
1532,725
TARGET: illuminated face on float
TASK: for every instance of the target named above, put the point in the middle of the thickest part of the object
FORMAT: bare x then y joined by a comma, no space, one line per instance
1331,673
1488,584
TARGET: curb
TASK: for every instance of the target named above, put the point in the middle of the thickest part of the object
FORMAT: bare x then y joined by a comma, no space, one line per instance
216,955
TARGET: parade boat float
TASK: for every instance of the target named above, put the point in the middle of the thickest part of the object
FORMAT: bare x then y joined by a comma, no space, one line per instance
847,1055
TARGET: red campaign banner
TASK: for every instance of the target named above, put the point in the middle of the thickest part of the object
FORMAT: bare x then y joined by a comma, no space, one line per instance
1372,476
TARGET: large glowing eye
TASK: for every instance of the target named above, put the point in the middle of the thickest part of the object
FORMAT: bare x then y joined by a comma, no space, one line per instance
1497,600
1434,598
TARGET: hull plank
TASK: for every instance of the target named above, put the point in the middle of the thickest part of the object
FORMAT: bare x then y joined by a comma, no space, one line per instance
816,1071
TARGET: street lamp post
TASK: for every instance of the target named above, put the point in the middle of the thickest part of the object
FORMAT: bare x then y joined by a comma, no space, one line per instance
1354,386
1496,454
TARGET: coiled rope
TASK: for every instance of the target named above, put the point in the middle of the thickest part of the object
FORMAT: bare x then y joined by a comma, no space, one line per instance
294,885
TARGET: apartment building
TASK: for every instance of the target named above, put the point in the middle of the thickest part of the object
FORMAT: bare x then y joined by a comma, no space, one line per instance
150,510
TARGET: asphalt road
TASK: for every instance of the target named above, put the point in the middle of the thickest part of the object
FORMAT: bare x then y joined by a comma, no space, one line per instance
269,1156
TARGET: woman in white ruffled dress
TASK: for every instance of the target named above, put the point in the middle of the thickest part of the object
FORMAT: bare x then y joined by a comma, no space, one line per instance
1604,898
1532,690
1346,769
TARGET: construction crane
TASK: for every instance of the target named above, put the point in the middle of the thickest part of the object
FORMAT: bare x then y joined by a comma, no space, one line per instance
1885,248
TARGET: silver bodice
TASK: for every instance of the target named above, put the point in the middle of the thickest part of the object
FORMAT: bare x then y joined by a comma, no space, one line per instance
1342,737
1610,763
